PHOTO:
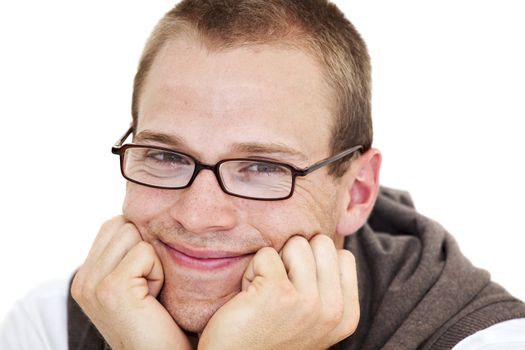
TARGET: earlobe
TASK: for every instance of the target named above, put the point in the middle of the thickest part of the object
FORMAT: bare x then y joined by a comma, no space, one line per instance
359,192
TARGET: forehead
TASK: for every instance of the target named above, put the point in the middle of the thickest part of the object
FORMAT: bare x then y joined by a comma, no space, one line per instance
213,100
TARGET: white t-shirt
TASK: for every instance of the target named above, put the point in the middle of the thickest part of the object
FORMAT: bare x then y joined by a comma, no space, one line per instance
39,321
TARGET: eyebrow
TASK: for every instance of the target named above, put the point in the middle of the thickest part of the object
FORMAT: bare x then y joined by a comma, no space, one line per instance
243,147
269,148
169,140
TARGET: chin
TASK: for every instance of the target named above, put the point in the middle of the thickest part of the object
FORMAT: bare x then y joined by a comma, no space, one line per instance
191,316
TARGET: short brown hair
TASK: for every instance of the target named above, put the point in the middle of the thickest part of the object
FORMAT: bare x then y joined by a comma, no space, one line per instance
316,26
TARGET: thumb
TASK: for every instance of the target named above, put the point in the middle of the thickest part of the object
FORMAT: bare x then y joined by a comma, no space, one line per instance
265,265
142,263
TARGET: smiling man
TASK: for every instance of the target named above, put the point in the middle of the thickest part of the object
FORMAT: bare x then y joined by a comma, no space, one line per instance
253,216
227,198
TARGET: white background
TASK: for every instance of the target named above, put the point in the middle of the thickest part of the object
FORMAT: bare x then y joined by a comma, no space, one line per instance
449,84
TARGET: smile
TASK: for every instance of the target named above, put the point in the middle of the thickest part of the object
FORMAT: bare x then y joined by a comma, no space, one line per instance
205,260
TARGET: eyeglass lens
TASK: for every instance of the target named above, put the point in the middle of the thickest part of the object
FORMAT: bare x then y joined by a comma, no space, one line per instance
248,178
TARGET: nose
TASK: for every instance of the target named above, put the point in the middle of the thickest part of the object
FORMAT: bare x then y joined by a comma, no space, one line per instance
204,207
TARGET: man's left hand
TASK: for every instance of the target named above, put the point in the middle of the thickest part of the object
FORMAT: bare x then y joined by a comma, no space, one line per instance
304,298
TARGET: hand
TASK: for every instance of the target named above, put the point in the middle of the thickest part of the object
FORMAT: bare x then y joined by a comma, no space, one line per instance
117,286
304,299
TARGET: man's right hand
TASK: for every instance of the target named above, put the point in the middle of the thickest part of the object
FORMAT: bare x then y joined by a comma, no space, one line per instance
117,288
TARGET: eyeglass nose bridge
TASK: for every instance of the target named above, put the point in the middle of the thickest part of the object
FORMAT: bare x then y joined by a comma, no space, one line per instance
214,168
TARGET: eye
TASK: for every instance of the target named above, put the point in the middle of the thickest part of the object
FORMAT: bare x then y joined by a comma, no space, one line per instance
266,168
166,157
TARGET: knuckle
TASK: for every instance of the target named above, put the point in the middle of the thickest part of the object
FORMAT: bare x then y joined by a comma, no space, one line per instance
129,228
267,254
266,251
129,232
284,289
294,245
311,304
297,241
346,256
106,225
354,322
105,293
323,245
333,316
286,294
322,240
76,288
349,325
80,288
110,224
143,247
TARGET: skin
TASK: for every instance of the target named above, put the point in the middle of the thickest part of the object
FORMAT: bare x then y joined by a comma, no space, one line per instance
291,276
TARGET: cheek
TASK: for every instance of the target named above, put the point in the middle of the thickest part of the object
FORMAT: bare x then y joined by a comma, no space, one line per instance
313,212
142,204
279,221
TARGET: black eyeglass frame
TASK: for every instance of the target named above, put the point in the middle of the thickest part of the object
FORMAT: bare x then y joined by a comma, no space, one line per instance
119,149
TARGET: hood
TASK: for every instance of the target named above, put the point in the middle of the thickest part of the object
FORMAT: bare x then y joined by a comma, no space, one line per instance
414,283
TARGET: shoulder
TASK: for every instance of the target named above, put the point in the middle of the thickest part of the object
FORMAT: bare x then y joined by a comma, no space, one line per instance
39,319
508,335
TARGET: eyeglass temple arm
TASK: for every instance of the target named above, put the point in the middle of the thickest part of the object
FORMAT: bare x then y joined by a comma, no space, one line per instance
116,147
321,163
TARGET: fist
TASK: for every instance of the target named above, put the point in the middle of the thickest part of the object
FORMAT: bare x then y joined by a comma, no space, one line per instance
303,298
117,287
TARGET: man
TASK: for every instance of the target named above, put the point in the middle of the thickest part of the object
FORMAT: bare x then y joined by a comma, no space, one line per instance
251,179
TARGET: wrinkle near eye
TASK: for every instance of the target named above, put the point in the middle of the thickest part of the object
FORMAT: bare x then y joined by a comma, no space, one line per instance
322,197
304,186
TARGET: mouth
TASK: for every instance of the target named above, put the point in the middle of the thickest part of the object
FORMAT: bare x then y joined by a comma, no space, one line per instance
204,260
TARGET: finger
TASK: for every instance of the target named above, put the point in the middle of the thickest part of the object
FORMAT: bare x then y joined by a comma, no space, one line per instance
266,264
299,261
140,270
104,236
351,311
119,245
328,275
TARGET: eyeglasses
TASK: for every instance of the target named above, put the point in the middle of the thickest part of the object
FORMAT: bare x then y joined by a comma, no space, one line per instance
164,168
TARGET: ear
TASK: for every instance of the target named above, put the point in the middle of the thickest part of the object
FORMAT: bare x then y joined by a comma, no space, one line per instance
358,194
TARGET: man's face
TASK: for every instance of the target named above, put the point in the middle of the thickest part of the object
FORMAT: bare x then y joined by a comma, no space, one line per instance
256,101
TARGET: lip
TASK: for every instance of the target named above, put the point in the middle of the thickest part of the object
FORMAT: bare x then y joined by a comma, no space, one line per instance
204,260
